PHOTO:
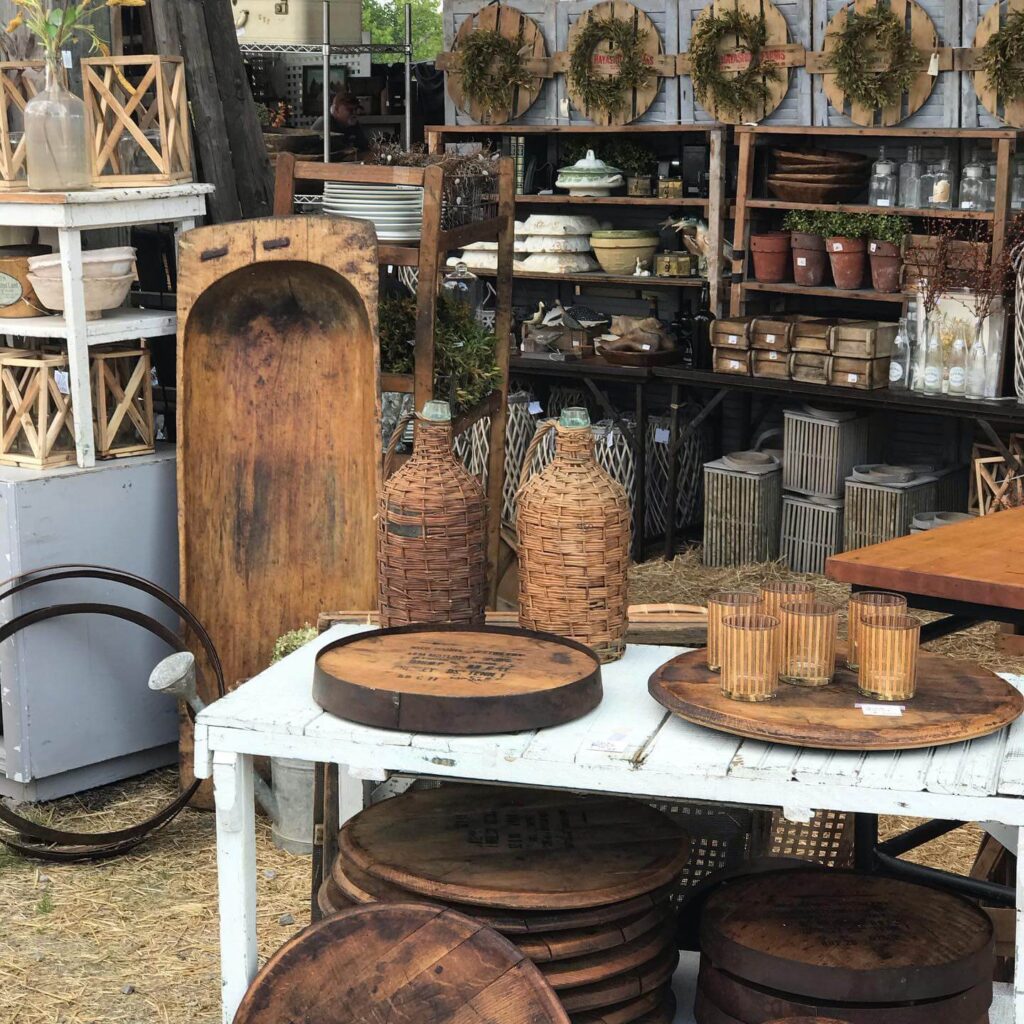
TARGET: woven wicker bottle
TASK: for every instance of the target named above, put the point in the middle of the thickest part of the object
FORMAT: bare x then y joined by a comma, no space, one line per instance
431,531
573,523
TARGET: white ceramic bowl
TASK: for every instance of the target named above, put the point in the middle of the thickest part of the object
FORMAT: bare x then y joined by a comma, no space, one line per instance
100,293
98,263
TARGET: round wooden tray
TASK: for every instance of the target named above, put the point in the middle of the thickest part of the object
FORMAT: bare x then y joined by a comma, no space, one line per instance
744,1001
955,701
623,987
844,937
459,680
515,848
358,887
663,358
705,1012
597,967
656,1007
383,963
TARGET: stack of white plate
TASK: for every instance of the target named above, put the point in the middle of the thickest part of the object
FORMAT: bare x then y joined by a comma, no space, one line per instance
396,211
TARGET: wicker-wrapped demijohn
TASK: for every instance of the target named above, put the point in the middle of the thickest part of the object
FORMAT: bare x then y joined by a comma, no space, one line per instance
431,531
573,523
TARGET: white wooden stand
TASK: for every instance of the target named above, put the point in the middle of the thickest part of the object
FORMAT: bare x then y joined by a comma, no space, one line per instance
71,213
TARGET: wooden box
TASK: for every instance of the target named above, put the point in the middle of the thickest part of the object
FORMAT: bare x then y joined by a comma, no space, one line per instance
741,515
725,361
821,453
810,367
137,119
770,364
812,531
20,81
962,258
767,333
863,374
877,513
811,334
863,339
35,409
731,333
122,398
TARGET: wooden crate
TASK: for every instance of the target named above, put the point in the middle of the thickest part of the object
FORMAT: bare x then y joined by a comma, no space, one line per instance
35,409
136,110
811,334
771,334
726,361
812,531
742,512
770,364
863,339
821,454
877,513
122,400
862,374
810,367
731,332
20,81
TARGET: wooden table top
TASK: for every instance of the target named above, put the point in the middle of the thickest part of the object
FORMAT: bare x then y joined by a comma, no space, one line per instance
979,561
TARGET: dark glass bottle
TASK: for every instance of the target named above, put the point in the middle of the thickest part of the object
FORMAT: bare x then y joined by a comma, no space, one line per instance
682,329
702,320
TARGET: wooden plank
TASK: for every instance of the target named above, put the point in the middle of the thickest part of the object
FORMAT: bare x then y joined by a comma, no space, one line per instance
904,133
741,228
305,170
426,291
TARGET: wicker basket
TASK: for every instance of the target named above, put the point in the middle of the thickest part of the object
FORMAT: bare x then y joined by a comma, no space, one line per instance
876,513
812,531
821,453
741,515
431,532
573,523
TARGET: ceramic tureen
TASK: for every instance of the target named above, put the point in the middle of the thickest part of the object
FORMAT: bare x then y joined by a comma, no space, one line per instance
589,177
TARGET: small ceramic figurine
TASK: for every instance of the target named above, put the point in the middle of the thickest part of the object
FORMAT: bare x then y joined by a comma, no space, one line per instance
641,269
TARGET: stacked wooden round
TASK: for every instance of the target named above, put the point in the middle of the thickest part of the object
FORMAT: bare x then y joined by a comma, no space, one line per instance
835,945
580,883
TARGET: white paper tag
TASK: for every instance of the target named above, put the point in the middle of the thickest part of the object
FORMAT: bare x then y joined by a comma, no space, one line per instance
933,65
882,710
837,246
645,348
733,339
661,435
60,378
535,408
881,202
852,378
873,247
66,57
770,339
734,364
773,356
575,342
610,440
801,261
614,744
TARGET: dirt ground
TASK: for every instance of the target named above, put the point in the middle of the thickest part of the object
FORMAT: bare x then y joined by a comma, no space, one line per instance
134,940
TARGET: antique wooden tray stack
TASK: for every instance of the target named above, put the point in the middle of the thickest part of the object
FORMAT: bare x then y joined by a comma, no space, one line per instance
837,945
580,884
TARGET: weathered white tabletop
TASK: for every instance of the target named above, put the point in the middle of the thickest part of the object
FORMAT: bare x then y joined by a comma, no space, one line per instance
629,745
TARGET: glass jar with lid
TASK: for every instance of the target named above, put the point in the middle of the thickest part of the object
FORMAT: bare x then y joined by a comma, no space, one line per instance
972,187
1017,188
883,188
463,286
941,194
911,174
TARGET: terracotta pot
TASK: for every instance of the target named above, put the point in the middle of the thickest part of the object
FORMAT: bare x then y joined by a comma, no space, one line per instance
809,259
849,261
771,256
886,261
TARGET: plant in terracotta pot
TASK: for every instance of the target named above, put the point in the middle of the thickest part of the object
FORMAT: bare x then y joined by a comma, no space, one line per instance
886,236
809,260
771,254
847,250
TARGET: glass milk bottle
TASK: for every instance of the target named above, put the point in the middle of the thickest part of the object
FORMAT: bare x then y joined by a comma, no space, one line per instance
958,362
899,365
934,365
911,175
976,367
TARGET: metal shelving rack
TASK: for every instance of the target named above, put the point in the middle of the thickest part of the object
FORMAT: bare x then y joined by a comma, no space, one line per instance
327,49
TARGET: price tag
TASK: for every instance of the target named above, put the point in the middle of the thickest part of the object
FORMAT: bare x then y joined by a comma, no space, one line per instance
801,261
881,202
769,339
933,65
610,440
733,339
873,247
645,348
852,378
535,408
661,436
837,246
66,57
575,342
882,710
61,379
734,364
615,743
773,356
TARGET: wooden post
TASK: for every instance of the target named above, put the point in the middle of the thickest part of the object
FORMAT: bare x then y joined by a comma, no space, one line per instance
716,214
426,292
744,184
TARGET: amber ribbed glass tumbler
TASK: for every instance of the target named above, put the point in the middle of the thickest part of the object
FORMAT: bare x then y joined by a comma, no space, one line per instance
749,646
869,604
775,595
808,643
888,656
720,606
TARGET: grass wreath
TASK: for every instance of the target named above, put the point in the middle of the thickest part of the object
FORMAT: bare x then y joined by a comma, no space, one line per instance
608,92
735,93
852,55
492,67
1001,58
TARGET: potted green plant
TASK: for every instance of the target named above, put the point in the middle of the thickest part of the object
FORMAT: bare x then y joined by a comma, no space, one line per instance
847,250
637,164
809,259
885,251
770,251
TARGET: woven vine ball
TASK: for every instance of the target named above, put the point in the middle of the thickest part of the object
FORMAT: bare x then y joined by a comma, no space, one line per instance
431,531
573,524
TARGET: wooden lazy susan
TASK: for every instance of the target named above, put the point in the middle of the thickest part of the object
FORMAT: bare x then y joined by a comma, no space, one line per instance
460,680
955,701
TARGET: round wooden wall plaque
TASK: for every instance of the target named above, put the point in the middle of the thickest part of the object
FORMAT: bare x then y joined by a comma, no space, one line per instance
390,963
459,680
988,25
841,936
517,848
955,701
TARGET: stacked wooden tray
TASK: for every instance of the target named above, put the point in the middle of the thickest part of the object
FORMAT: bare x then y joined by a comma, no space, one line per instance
580,883
834,944
817,176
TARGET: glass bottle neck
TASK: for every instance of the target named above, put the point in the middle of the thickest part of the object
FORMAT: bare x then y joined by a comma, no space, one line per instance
56,73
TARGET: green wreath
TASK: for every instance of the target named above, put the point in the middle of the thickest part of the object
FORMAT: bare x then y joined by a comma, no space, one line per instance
853,53
1002,56
738,93
608,93
492,68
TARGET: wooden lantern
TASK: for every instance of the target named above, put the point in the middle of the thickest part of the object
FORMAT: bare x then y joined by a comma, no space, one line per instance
122,398
16,89
137,120
35,410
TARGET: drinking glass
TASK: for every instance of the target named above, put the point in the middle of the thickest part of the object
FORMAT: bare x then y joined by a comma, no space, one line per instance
888,656
868,602
808,643
721,605
750,656
774,595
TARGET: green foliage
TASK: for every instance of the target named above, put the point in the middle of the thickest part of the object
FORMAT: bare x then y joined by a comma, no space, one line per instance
1002,56
492,68
45,904
397,329
808,222
889,228
292,641
863,37
634,161
608,92
58,23
747,92
385,21
883,227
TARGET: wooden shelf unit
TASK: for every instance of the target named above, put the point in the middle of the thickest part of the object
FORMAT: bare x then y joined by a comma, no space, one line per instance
598,277
748,139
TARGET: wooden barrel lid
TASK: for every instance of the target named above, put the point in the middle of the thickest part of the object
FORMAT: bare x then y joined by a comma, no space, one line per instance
460,680
657,1007
597,967
360,887
841,936
955,701
517,848
384,963
622,987
757,1004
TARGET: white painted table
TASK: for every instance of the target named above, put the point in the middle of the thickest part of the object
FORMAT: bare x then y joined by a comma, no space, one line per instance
71,213
629,744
